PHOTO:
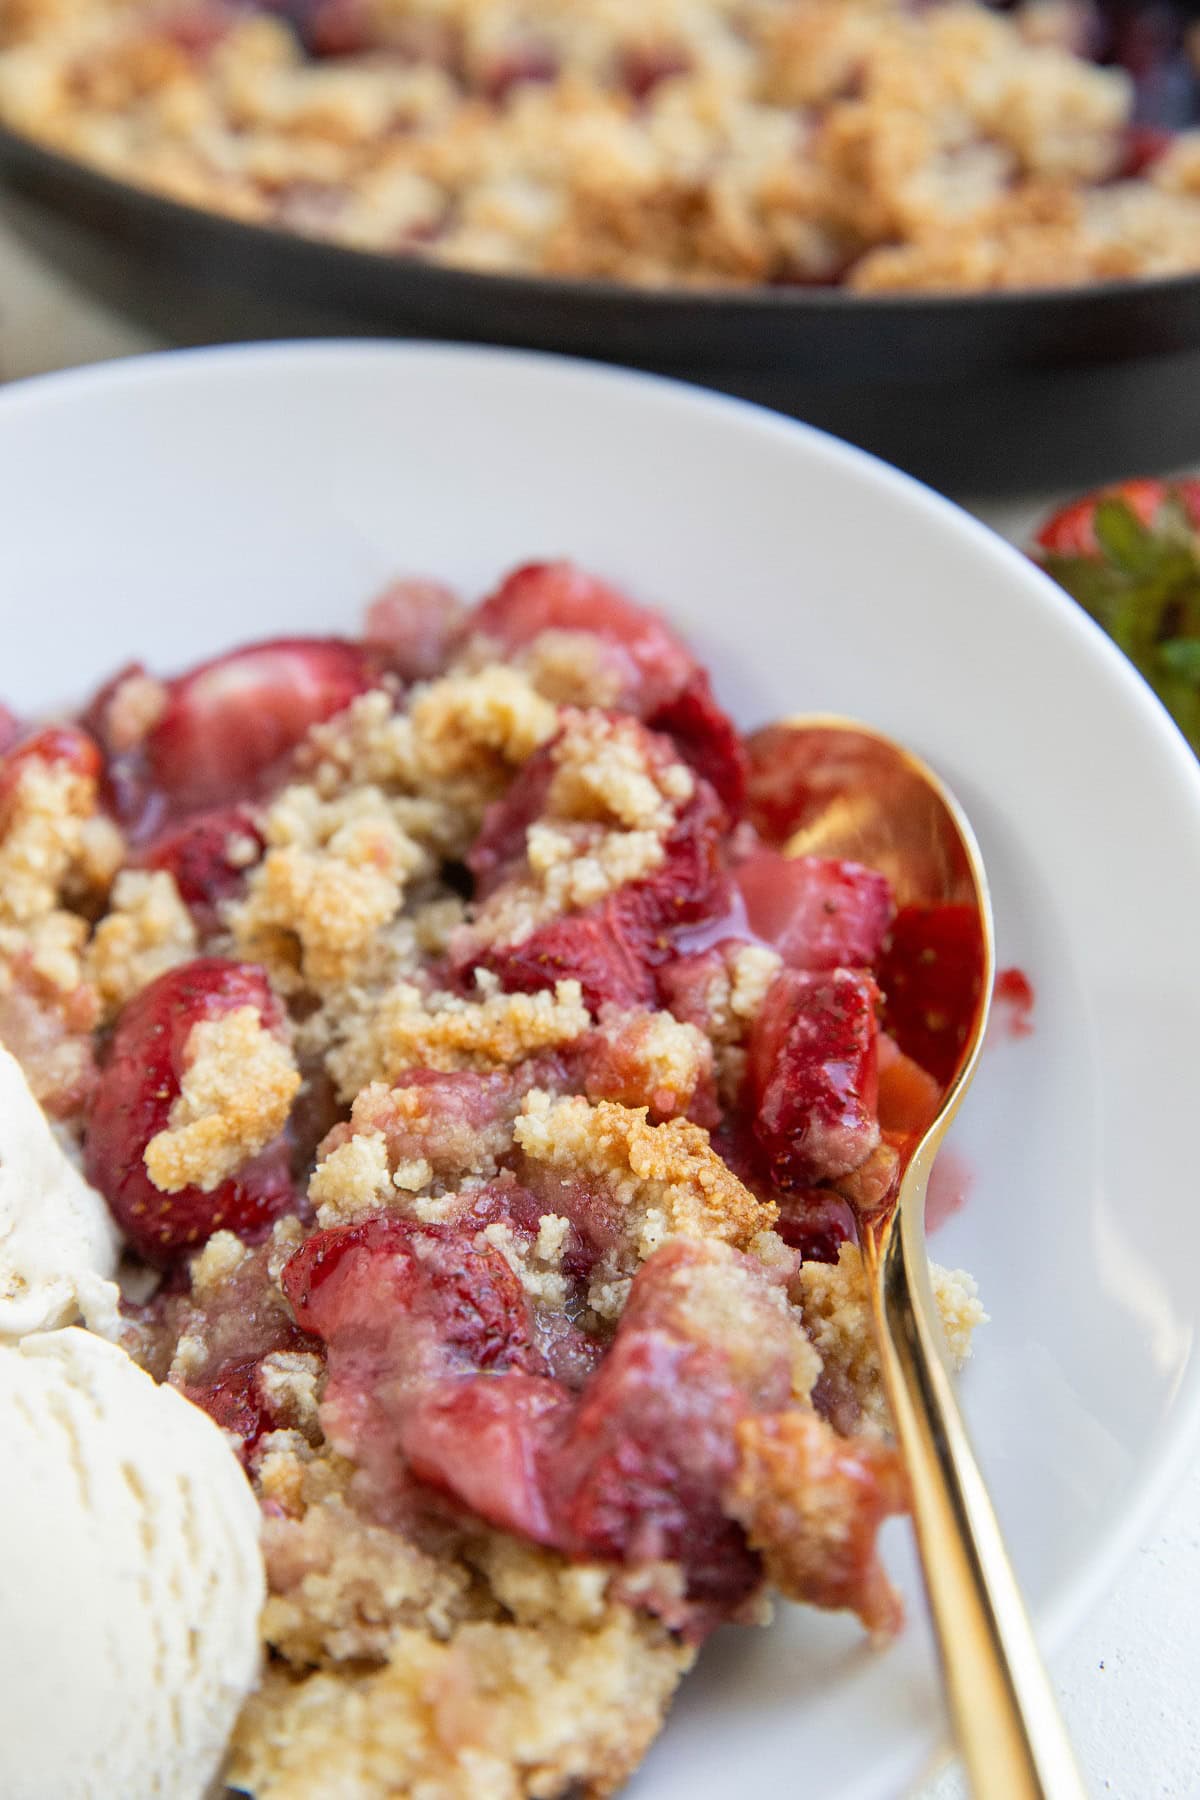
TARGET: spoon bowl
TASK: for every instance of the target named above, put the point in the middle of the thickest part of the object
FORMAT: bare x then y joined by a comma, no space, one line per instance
859,795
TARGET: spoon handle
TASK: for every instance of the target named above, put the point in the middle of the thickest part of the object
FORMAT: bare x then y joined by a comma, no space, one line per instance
1010,1735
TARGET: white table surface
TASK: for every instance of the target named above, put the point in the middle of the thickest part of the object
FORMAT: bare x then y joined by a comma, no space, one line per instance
1130,1678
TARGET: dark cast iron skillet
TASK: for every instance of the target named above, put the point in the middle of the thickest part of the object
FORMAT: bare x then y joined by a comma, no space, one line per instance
978,393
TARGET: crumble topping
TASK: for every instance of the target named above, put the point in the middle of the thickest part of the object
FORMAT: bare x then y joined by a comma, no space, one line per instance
133,708
613,797
538,1266
804,1494
567,667
43,843
291,1382
413,1139
837,1316
333,878
479,726
665,1181
146,930
221,1258
701,144
498,1712
235,1096
443,759
666,1177
603,772
449,1031
341,1589
752,969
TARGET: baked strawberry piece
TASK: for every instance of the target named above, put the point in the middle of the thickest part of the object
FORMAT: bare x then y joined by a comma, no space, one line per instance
208,855
650,663
817,912
813,1075
229,722
932,976
650,671
140,1086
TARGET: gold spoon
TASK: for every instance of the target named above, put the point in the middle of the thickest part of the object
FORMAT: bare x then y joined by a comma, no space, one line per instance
867,799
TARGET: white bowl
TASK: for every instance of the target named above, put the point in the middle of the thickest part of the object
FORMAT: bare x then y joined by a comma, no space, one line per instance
170,507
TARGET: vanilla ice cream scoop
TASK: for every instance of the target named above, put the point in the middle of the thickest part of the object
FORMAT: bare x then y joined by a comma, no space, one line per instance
131,1579
58,1244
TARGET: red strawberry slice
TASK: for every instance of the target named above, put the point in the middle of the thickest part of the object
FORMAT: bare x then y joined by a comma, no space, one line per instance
410,1314
817,912
1071,531
237,1400
10,729
482,1440
55,746
197,853
588,948
813,1075
817,1222
500,848
614,948
413,626
228,722
642,1471
139,1084
932,976
653,663
438,1297
707,739
690,888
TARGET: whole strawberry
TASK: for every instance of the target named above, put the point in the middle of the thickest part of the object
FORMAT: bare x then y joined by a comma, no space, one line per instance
1130,555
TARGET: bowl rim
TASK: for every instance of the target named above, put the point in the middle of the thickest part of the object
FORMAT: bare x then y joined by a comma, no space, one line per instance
1177,1440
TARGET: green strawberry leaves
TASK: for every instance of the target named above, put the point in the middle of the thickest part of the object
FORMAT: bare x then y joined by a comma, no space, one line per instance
1143,587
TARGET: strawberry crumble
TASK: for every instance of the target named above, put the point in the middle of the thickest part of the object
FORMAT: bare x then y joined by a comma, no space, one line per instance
486,1104
886,146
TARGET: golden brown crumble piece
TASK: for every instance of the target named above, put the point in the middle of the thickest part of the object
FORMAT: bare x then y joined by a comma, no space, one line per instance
482,726
811,1502
341,1588
332,880
538,1266
234,1098
448,1031
567,667
43,843
500,1712
57,852
417,1138
371,744
664,1180
440,762
603,773
146,931
837,1316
